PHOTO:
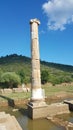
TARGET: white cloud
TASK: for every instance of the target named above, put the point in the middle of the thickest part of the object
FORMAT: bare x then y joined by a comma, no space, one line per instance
59,13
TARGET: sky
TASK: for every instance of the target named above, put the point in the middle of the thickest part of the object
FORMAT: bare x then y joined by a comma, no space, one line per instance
55,30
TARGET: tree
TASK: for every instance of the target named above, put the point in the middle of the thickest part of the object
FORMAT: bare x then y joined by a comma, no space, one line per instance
10,79
23,76
44,76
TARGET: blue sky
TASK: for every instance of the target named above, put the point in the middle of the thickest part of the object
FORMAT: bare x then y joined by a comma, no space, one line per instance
55,30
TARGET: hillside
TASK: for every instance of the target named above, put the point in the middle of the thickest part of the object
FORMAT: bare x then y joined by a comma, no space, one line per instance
16,63
14,60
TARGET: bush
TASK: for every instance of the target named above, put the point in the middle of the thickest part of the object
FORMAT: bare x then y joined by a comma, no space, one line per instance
10,79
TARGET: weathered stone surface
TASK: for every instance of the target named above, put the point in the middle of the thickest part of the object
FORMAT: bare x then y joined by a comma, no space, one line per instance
36,79
40,110
35,52
37,108
8,122
37,103
17,90
7,90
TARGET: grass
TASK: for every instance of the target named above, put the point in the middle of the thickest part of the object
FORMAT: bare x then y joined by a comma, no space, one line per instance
49,90
21,95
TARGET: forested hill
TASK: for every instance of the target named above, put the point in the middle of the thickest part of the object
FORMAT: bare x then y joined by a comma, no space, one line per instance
14,62
20,66
67,68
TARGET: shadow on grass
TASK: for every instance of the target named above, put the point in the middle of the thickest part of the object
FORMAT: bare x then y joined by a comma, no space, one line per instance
10,101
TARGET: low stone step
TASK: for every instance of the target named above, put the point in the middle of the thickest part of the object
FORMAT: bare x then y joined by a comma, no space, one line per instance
16,123
2,127
8,122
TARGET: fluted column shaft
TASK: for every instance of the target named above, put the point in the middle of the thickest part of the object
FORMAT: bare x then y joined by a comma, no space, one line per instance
36,91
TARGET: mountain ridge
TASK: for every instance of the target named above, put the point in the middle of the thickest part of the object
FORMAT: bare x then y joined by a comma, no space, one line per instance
15,58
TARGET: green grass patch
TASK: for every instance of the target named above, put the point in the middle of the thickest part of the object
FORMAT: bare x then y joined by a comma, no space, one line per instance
14,96
49,90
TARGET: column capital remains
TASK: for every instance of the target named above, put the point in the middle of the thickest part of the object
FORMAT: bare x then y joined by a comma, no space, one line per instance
35,20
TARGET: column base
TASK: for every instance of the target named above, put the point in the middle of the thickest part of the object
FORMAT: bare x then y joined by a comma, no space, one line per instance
37,109
38,94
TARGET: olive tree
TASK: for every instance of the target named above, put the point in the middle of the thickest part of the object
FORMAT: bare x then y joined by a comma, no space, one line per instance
10,79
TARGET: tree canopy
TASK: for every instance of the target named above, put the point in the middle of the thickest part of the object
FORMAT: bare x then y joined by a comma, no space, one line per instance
10,79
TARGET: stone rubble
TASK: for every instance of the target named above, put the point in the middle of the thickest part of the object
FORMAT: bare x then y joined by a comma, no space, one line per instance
66,124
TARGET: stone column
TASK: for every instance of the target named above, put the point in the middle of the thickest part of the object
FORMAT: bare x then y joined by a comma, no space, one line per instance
36,106
36,91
